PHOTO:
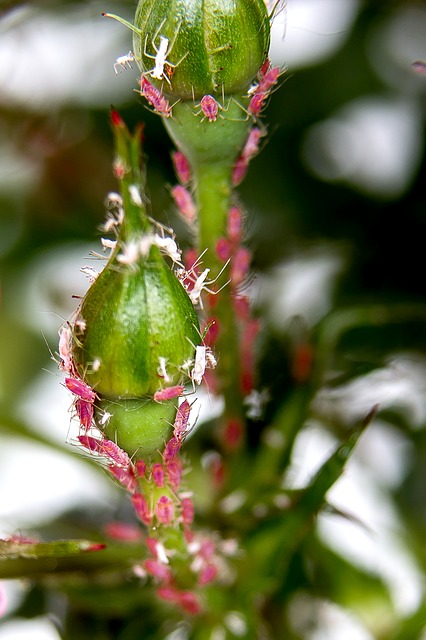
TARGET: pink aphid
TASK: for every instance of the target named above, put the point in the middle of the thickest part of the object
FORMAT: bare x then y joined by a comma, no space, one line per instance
114,452
239,171
141,468
164,510
235,224
251,146
187,514
158,474
93,444
181,166
256,103
209,107
171,449
264,68
85,412
174,470
240,266
124,475
141,507
80,389
155,98
207,574
181,421
190,602
223,249
184,202
158,570
269,79
168,393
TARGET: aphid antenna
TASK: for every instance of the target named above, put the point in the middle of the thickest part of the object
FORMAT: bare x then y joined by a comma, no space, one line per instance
94,255
127,24
207,283
53,356
162,227
277,7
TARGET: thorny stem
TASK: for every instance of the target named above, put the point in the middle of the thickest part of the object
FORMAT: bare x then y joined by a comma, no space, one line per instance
212,149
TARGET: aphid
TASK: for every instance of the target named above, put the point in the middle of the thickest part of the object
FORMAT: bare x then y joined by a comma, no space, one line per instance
164,510
199,367
211,362
160,59
141,507
129,253
174,470
124,475
93,444
65,341
184,202
256,104
80,389
135,195
235,224
251,146
181,166
223,249
198,287
239,171
90,272
108,244
264,68
188,510
195,285
105,418
163,68
209,107
181,420
162,371
114,452
240,266
204,359
157,473
171,449
269,79
114,200
124,62
84,410
168,246
168,393
155,98
96,364
80,325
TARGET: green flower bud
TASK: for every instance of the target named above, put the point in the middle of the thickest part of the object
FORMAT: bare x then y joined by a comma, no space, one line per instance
136,328
190,48
136,317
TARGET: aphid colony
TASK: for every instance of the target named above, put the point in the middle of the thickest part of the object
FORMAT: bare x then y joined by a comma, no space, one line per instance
127,255
209,107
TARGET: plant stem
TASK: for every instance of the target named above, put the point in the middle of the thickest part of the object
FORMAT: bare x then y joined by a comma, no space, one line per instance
213,196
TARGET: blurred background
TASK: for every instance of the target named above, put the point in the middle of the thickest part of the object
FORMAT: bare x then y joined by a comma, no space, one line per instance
336,219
